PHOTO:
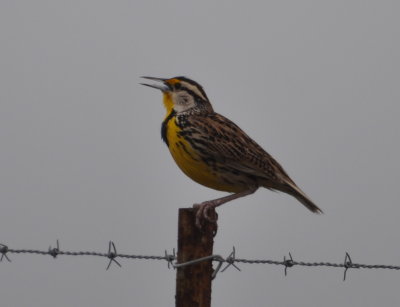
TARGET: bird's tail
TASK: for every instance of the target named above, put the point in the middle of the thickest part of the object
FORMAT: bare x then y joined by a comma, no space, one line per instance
292,189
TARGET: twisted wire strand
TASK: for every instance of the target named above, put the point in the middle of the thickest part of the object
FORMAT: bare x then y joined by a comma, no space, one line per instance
327,264
231,260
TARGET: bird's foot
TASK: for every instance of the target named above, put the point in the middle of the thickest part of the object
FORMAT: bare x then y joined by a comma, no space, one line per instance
206,212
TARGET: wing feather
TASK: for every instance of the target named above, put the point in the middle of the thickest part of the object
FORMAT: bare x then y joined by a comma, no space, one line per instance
225,142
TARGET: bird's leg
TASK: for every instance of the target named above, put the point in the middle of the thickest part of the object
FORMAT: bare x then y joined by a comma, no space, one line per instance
204,207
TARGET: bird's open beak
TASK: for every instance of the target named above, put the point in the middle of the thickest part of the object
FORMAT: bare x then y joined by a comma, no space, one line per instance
162,87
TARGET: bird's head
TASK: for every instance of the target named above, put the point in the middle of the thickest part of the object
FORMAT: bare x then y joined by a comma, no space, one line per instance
182,94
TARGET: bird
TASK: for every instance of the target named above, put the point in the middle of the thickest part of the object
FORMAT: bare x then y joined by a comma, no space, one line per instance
213,151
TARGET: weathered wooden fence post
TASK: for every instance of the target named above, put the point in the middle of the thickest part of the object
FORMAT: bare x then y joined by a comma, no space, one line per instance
193,282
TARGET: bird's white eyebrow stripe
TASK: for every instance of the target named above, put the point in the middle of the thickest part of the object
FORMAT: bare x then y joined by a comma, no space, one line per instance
193,89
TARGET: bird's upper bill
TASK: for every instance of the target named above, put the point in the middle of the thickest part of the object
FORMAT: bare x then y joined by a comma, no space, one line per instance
164,87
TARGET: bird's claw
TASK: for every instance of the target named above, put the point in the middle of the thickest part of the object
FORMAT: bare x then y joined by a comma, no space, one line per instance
204,214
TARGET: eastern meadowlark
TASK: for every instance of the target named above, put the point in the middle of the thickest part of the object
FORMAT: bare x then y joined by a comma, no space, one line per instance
214,151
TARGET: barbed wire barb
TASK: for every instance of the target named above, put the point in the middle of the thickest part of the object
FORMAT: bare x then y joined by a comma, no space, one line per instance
348,263
231,260
288,263
170,258
4,250
112,254
54,251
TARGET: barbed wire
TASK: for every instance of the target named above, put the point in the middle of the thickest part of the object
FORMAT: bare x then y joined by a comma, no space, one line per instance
171,259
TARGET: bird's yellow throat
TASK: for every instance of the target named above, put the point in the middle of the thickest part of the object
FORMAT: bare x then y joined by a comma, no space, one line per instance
168,103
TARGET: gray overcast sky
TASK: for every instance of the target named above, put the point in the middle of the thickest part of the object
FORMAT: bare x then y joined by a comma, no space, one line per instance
316,83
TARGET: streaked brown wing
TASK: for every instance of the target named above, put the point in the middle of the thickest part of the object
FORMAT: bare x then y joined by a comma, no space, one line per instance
225,142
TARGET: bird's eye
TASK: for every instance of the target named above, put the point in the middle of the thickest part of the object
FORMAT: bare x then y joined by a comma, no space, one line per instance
178,86
183,99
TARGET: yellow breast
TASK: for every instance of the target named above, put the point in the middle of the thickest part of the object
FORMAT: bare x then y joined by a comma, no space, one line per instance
188,160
